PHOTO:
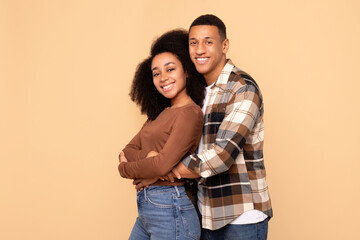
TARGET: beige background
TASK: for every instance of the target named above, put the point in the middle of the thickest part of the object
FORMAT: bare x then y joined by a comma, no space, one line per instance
65,73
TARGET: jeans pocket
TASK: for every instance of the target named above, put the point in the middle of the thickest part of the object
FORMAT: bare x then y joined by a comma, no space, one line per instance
190,221
161,200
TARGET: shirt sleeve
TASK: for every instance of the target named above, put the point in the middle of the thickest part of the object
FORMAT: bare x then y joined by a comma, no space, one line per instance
241,114
133,150
184,136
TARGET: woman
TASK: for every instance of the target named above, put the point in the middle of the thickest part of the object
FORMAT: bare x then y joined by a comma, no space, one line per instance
170,91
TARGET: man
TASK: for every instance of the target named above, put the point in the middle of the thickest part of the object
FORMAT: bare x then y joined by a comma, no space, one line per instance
233,196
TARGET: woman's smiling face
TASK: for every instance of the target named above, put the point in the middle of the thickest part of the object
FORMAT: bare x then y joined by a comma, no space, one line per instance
168,76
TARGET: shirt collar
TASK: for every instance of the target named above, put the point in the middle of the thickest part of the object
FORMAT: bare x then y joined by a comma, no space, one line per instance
224,75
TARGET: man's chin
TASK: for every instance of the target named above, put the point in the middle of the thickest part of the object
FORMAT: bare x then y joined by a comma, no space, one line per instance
201,69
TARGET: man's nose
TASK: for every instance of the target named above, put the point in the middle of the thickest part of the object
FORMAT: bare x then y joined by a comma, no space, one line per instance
200,49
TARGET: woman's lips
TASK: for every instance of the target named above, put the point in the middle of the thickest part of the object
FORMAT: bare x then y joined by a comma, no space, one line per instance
168,87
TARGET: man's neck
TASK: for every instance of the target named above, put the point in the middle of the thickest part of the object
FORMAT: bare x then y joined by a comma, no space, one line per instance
213,76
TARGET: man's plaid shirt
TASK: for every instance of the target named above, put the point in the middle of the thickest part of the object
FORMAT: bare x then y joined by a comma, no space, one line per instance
232,164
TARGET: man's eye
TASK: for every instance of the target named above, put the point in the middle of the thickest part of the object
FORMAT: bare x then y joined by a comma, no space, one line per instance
209,42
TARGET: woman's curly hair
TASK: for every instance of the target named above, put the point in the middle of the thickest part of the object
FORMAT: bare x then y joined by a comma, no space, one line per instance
144,93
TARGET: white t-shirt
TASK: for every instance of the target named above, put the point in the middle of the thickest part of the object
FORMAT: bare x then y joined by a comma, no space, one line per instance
248,217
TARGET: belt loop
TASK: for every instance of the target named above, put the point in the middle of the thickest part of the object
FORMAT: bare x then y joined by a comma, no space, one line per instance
177,191
145,194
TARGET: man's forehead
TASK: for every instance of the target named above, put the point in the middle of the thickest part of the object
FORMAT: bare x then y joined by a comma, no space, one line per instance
204,31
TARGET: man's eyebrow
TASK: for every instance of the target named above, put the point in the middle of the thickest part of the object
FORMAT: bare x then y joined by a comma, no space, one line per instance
204,38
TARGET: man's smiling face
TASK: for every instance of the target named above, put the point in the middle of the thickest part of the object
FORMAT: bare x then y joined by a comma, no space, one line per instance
207,51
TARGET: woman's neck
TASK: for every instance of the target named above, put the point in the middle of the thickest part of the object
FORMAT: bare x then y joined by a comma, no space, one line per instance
181,102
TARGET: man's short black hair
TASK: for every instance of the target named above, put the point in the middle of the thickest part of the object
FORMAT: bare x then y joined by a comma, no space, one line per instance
212,20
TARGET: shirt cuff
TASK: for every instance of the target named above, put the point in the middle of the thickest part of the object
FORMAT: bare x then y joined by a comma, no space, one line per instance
192,162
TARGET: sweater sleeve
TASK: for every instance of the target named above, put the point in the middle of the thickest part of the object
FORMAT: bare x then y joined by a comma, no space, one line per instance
185,134
133,150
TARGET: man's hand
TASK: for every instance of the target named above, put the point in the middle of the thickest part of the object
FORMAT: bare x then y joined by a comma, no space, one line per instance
181,171
175,171
140,183
169,177
122,157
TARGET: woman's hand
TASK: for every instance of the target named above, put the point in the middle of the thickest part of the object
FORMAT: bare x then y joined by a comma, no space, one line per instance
140,183
122,157
152,154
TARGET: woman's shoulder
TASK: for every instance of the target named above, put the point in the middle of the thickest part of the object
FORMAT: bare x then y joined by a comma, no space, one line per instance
191,108
192,114
188,113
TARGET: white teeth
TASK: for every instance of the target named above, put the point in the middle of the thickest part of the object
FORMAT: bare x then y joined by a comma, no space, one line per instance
167,87
201,59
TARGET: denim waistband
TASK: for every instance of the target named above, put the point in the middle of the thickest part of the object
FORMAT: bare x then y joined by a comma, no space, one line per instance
162,189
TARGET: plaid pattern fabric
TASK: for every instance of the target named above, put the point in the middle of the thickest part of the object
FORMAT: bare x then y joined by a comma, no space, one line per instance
232,164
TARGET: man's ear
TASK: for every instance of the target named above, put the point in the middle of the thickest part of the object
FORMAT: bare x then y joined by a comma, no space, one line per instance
225,45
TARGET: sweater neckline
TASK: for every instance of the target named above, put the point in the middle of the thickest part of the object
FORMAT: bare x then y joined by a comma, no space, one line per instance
186,105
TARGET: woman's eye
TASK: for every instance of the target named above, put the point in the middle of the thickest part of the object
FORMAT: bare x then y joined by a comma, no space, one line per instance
171,69
155,74
192,43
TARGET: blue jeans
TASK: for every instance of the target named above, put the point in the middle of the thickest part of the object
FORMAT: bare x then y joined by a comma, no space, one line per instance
255,231
165,212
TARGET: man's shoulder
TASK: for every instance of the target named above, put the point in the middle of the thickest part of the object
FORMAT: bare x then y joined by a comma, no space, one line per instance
239,79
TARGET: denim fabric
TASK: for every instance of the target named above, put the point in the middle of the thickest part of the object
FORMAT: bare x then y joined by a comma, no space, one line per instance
165,212
255,231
